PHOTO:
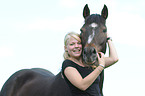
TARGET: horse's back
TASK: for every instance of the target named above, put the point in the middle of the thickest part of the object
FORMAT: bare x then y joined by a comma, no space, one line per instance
20,78
55,86
15,82
35,82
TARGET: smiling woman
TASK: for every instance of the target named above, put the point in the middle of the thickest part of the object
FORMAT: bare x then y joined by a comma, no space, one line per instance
74,44
74,48
78,76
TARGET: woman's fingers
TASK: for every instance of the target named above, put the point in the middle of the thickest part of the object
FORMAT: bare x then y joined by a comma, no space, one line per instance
100,54
101,59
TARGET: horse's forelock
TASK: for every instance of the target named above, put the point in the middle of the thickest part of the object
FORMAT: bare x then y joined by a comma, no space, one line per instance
94,18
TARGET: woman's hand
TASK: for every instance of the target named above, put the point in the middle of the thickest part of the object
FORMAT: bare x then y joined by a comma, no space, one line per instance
101,58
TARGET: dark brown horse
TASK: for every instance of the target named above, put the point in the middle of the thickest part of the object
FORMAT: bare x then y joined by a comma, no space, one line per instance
94,37
35,82
40,82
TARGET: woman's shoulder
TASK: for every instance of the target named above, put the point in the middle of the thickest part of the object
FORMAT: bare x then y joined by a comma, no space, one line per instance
67,63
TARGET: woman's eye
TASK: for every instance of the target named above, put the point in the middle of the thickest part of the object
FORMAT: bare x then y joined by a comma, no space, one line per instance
71,44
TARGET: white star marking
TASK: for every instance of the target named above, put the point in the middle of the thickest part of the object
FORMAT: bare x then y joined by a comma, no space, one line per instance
90,38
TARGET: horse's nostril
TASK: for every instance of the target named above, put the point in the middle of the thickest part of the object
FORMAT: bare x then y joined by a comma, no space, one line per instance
94,51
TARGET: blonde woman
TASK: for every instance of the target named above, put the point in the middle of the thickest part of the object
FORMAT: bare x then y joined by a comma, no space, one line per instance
83,80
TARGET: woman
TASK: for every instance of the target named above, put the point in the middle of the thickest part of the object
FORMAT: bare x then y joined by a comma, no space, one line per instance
83,80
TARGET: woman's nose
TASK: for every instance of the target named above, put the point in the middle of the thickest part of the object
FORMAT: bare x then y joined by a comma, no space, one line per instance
76,45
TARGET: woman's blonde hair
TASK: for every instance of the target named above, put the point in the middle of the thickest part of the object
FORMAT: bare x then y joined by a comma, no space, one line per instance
66,40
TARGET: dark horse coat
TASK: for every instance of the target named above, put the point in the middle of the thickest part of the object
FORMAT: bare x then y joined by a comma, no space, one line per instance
35,82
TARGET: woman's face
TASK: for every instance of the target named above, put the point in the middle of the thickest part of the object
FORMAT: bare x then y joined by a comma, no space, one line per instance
74,47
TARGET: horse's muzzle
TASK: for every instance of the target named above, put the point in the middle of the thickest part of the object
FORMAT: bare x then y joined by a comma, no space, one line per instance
89,55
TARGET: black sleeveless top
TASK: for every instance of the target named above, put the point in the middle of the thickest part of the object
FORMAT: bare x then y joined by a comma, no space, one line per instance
93,90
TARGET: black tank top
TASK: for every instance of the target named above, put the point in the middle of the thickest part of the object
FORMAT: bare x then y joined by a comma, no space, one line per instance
93,90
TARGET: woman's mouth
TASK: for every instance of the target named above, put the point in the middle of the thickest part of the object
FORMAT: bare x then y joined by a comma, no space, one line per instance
77,51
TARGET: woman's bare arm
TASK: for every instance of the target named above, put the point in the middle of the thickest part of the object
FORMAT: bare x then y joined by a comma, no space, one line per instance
76,79
113,57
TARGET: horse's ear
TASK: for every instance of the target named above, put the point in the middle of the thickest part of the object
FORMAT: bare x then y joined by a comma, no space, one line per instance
104,12
86,11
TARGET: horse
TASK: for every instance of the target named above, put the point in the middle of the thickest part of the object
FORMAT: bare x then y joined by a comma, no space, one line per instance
35,82
94,38
41,82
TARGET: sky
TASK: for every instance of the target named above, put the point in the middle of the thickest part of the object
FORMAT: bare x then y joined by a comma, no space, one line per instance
32,34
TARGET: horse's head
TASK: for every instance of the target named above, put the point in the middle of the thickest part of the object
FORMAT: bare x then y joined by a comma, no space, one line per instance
93,35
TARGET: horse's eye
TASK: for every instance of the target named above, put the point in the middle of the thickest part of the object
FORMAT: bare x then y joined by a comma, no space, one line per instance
104,30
